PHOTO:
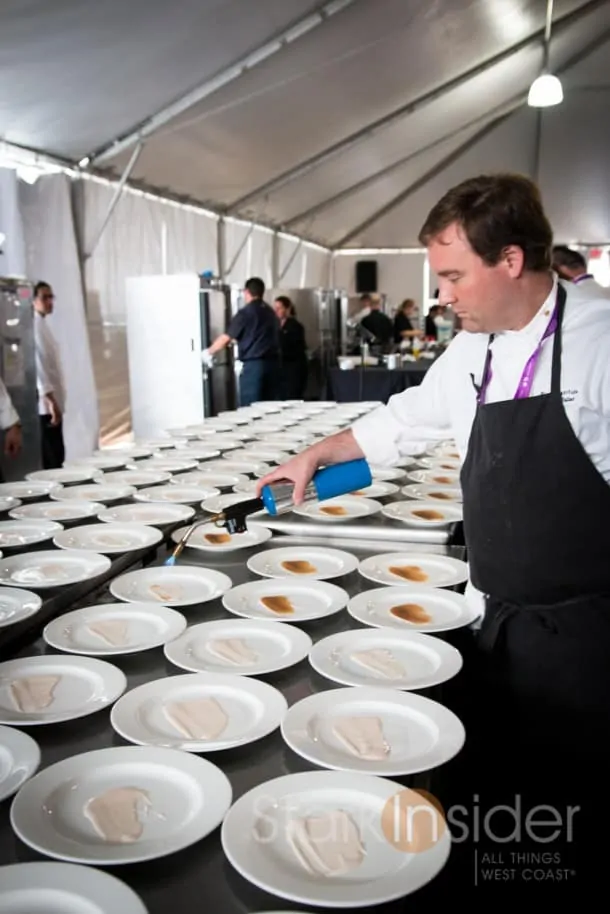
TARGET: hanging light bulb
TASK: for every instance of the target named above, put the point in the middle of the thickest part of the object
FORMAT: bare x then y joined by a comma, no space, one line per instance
545,92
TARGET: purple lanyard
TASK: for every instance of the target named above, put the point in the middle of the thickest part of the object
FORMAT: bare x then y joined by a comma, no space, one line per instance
527,378
582,278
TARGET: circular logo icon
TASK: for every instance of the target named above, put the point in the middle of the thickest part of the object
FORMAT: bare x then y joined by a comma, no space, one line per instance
413,821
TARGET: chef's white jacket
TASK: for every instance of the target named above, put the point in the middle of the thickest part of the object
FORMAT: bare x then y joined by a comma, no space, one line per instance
444,405
48,366
8,413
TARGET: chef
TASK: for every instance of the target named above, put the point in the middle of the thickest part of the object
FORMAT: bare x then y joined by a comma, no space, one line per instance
524,390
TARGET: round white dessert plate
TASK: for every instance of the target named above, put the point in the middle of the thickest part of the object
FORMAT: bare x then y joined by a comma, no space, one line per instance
258,840
171,585
101,491
155,514
412,608
218,503
137,478
17,605
176,494
113,461
26,490
423,513
199,712
114,628
52,568
18,534
213,478
435,477
440,465
65,475
49,689
338,510
166,465
386,732
377,490
303,562
9,503
300,601
387,474
386,658
109,539
19,760
68,512
440,495
176,798
246,648
400,568
210,538
64,888
265,454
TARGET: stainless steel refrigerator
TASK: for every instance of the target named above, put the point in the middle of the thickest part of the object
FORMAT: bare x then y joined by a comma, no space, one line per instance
18,371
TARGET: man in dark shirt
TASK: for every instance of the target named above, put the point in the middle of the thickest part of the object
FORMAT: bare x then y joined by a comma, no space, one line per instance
376,322
255,329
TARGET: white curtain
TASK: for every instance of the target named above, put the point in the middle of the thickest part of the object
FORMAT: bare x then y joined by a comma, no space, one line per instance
12,258
52,256
304,266
145,236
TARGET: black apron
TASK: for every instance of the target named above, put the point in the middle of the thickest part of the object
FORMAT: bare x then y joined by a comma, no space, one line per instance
537,532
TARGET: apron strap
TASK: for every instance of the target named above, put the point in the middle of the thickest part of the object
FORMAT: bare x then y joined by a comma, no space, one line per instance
493,620
556,363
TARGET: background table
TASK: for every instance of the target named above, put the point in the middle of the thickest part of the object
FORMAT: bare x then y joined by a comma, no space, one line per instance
359,384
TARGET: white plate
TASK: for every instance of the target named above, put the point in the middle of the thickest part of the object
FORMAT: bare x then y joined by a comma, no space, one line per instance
247,488
73,687
64,888
177,585
265,454
423,513
176,494
65,475
112,461
62,512
437,570
96,492
269,646
19,760
52,568
255,840
308,599
445,449
443,610
217,504
8,503
182,799
158,444
17,534
109,539
245,465
441,478
439,494
387,474
137,478
16,605
137,627
247,710
155,514
125,453
213,478
403,660
377,490
322,563
179,465
439,465
417,734
255,535
26,490
351,507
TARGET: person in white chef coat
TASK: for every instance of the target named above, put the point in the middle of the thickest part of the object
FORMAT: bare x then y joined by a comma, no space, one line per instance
524,390
50,379
572,266
10,424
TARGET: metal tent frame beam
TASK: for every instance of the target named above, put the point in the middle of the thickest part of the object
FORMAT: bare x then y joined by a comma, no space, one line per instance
276,43
581,55
398,114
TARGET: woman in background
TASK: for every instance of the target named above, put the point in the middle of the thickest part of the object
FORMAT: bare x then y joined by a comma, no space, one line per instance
293,351
404,320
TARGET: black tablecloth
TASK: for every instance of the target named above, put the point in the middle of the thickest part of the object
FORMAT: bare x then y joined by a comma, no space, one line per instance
358,384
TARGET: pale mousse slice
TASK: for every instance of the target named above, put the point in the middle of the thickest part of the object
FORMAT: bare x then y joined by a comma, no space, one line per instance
326,845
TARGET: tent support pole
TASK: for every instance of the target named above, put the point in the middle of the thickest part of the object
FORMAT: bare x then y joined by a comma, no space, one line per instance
244,242
290,260
115,199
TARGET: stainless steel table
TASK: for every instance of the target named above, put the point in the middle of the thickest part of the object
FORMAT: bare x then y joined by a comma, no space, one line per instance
200,877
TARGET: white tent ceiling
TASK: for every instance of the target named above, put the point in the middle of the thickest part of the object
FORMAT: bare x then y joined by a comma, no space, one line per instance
382,101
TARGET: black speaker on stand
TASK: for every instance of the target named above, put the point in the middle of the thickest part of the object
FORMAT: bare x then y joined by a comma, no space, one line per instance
366,276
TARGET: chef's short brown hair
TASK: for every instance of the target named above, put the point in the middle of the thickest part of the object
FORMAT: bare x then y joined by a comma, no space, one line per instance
496,211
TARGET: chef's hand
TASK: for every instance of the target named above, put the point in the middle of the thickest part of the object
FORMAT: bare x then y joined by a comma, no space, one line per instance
12,440
299,471
53,409
207,358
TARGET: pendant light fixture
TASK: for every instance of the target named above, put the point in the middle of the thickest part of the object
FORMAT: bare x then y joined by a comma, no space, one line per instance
546,90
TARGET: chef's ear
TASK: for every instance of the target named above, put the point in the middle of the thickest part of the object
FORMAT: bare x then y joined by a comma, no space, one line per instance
514,260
